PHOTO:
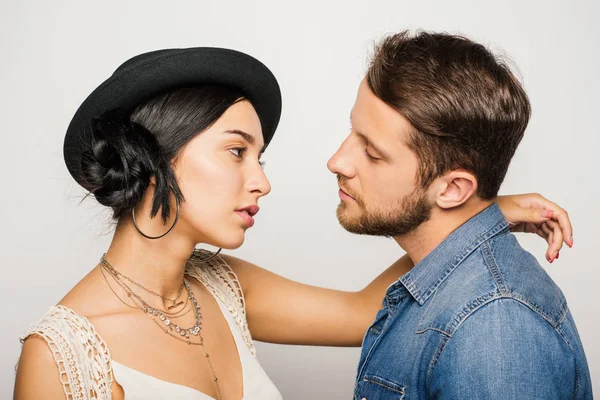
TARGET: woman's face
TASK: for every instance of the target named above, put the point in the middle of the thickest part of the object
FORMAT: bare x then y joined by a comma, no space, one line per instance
221,178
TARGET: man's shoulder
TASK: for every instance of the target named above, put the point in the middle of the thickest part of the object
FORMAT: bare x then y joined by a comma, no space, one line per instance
505,345
519,276
499,269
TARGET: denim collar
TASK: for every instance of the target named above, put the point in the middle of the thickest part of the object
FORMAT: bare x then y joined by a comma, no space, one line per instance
425,277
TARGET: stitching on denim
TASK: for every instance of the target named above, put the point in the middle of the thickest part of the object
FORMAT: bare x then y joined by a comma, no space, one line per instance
490,261
429,328
400,390
467,250
465,313
563,314
412,289
440,349
425,314
470,309
481,302
460,319
540,310
390,303
375,343
484,300
563,335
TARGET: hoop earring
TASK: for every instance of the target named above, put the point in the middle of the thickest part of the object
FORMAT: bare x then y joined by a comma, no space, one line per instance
164,234
208,258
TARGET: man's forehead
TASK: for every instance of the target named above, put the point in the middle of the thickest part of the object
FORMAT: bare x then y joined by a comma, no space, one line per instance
375,118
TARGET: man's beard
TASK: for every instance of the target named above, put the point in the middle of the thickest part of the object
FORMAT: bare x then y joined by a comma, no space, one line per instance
404,218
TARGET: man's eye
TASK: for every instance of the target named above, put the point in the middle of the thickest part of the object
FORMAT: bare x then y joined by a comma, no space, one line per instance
370,156
238,151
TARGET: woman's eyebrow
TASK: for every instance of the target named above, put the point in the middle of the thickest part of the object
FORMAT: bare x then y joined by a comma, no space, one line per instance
247,137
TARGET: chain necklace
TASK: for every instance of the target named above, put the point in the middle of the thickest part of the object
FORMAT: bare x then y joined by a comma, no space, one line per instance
117,277
156,313
184,310
162,320
174,302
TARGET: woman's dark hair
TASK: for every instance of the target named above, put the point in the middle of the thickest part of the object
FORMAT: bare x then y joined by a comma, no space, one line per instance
466,107
127,151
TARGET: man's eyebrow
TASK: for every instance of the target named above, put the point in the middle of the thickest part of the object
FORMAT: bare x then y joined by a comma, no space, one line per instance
378,149
247,137
372,144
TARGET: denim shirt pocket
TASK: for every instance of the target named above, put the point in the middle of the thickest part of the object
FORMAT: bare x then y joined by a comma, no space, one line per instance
372,387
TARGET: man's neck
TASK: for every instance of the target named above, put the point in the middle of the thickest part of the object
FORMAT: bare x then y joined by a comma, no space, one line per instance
423,240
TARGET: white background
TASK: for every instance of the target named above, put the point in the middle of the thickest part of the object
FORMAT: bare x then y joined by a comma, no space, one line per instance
53,54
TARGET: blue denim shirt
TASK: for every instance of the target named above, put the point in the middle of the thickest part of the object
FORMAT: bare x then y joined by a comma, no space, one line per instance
478,318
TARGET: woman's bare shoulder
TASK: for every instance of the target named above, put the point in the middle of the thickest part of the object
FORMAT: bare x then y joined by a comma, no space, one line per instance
37,364
92,298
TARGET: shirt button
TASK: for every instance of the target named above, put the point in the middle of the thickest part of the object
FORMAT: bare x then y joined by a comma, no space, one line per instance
374,331
364,398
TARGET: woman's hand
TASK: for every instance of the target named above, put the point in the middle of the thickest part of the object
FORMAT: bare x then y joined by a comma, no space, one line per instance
532,213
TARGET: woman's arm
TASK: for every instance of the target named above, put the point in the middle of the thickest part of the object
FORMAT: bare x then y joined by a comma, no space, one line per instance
37,373
280,310
533,213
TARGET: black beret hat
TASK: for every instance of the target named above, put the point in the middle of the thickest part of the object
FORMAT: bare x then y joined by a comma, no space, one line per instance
147,75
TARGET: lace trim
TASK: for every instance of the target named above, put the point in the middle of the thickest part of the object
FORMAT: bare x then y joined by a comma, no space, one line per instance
82,357
218,277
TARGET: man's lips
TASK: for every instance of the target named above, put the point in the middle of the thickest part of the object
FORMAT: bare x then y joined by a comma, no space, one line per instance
345,196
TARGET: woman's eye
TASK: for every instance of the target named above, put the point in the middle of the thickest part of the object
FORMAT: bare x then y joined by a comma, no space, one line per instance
237,151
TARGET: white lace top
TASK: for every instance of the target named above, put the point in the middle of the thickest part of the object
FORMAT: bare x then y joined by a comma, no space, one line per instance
87,370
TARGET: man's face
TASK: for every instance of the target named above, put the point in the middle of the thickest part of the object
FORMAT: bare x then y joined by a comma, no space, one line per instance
377,172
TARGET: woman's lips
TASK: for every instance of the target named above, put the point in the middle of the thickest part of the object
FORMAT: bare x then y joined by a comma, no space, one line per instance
248,220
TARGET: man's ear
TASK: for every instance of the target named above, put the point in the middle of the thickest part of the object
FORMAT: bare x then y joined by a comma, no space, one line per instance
455,188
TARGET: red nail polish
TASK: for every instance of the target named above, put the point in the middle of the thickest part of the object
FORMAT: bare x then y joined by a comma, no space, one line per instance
547,213
557,255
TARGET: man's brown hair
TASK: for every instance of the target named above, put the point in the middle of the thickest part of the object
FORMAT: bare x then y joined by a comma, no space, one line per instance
467,108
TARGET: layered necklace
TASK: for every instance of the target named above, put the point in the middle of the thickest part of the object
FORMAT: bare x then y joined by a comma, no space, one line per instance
164,318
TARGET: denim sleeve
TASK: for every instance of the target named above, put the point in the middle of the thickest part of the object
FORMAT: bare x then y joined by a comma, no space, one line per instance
504,350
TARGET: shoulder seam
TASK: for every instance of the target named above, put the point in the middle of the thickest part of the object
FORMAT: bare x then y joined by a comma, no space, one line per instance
478,304
494,269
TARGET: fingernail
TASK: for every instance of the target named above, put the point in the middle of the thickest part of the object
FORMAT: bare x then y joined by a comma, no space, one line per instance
547,213
557,255
571,244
